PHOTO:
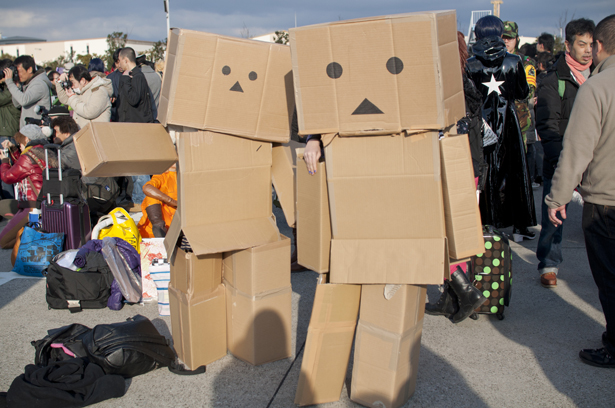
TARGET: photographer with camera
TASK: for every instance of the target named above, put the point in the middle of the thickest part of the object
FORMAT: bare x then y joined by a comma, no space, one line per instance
88,97
23,165
9,118
34,87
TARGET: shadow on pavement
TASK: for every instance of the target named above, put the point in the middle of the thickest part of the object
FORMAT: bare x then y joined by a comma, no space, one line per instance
15,288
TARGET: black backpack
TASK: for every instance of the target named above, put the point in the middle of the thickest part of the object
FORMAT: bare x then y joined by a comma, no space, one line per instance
88,288
100,193
129,348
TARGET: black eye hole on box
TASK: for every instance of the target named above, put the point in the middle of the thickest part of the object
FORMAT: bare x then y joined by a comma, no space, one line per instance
226,70
395,65
252,76
334,70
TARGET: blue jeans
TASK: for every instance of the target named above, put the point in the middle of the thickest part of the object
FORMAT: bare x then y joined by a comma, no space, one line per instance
599,231
137,194
549,250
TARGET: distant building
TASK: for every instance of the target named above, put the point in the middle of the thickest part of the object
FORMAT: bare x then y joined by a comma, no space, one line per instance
45,51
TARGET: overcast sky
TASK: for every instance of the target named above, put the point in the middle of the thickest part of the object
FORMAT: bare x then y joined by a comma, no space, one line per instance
146,20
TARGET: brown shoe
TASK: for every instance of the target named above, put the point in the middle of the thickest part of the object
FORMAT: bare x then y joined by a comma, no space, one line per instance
548,280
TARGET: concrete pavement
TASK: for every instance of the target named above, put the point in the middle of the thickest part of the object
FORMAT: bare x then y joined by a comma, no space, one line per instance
530,359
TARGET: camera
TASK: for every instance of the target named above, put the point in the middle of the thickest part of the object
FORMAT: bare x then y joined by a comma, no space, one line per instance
66,84
15,73
45,120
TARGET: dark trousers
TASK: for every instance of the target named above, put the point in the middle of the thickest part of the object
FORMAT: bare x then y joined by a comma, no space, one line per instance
599,231
549,249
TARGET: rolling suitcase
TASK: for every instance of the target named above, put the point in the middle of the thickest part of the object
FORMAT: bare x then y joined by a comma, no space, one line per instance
70,216
491,273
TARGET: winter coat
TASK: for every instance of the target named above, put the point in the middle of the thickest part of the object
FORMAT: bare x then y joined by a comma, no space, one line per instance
135,98
93,104
589,144
507,198
27,165
70,160
9,114
553,112
37,91
115,81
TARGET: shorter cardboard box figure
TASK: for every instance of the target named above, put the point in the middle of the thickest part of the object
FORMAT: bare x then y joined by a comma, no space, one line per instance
227,99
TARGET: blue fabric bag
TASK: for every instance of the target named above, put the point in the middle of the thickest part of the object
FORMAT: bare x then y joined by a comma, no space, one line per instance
36,250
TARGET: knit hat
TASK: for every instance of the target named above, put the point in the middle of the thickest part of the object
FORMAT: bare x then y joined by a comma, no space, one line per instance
32,132
511,29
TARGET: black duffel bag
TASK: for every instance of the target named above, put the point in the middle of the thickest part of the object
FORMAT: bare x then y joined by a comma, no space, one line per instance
88,288
129,348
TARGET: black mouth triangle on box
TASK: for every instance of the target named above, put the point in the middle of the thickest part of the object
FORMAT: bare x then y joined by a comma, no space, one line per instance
366,108
237,87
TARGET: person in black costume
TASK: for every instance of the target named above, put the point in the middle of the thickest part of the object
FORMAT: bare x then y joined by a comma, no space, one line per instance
507,198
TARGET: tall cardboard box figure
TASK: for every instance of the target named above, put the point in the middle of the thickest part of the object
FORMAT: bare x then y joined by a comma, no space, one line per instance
380,90
227,99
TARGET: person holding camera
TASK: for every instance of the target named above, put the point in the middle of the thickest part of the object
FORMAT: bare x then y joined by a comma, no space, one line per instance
23,165
34,88
9,118
88,97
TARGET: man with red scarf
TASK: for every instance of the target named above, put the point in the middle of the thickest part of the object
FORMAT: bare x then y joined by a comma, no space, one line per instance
556,96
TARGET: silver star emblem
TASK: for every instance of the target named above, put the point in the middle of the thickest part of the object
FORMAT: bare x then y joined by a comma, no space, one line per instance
493,85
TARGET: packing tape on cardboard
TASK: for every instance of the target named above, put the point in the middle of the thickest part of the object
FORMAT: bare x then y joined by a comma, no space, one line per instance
385,336
258,296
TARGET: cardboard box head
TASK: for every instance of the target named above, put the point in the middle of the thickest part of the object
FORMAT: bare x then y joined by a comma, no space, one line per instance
228,85
378,75
111,149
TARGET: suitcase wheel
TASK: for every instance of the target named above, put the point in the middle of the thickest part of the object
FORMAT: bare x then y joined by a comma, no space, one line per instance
474,316
500,316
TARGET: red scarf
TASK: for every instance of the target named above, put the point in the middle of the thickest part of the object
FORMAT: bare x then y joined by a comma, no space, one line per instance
576,67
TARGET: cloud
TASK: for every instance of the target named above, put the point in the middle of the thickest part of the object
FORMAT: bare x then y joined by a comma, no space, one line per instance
15,18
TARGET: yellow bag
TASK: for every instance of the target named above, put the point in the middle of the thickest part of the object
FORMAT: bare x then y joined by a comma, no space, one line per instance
123,227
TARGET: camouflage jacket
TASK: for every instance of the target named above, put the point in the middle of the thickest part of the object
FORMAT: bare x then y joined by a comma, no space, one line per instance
522,106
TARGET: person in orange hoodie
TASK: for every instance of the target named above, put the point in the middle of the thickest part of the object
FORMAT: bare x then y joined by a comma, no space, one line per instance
159,204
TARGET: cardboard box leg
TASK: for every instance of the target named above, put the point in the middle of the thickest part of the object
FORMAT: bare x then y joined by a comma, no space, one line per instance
328,344
387,346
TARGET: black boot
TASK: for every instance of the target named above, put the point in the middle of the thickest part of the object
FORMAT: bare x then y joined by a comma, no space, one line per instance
447,305
154,213
469,297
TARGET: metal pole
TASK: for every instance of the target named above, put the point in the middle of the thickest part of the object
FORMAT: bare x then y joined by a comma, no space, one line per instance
168,11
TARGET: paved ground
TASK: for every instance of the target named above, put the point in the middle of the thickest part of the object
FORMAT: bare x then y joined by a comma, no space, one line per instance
530,359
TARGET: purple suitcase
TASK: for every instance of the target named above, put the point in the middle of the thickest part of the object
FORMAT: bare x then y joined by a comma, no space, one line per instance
71,218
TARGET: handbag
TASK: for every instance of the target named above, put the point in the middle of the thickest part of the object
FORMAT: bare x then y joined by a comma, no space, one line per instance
123,227
36,250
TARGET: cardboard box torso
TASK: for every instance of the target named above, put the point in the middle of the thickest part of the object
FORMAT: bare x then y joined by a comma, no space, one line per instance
387,216
224,193
378,75
227,84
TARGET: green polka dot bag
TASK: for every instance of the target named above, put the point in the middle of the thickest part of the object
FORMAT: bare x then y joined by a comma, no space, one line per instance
491,273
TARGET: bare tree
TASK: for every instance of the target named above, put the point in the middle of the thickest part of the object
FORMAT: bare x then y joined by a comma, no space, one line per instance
245,32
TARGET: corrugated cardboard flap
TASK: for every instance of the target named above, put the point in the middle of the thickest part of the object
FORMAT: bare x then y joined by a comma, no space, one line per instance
230,236
388,261
284,162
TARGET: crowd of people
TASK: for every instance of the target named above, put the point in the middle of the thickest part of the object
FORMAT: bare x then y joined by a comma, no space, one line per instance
41,106
533,118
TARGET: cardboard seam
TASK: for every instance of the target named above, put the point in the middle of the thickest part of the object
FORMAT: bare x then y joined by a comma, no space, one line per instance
386,336
259,295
